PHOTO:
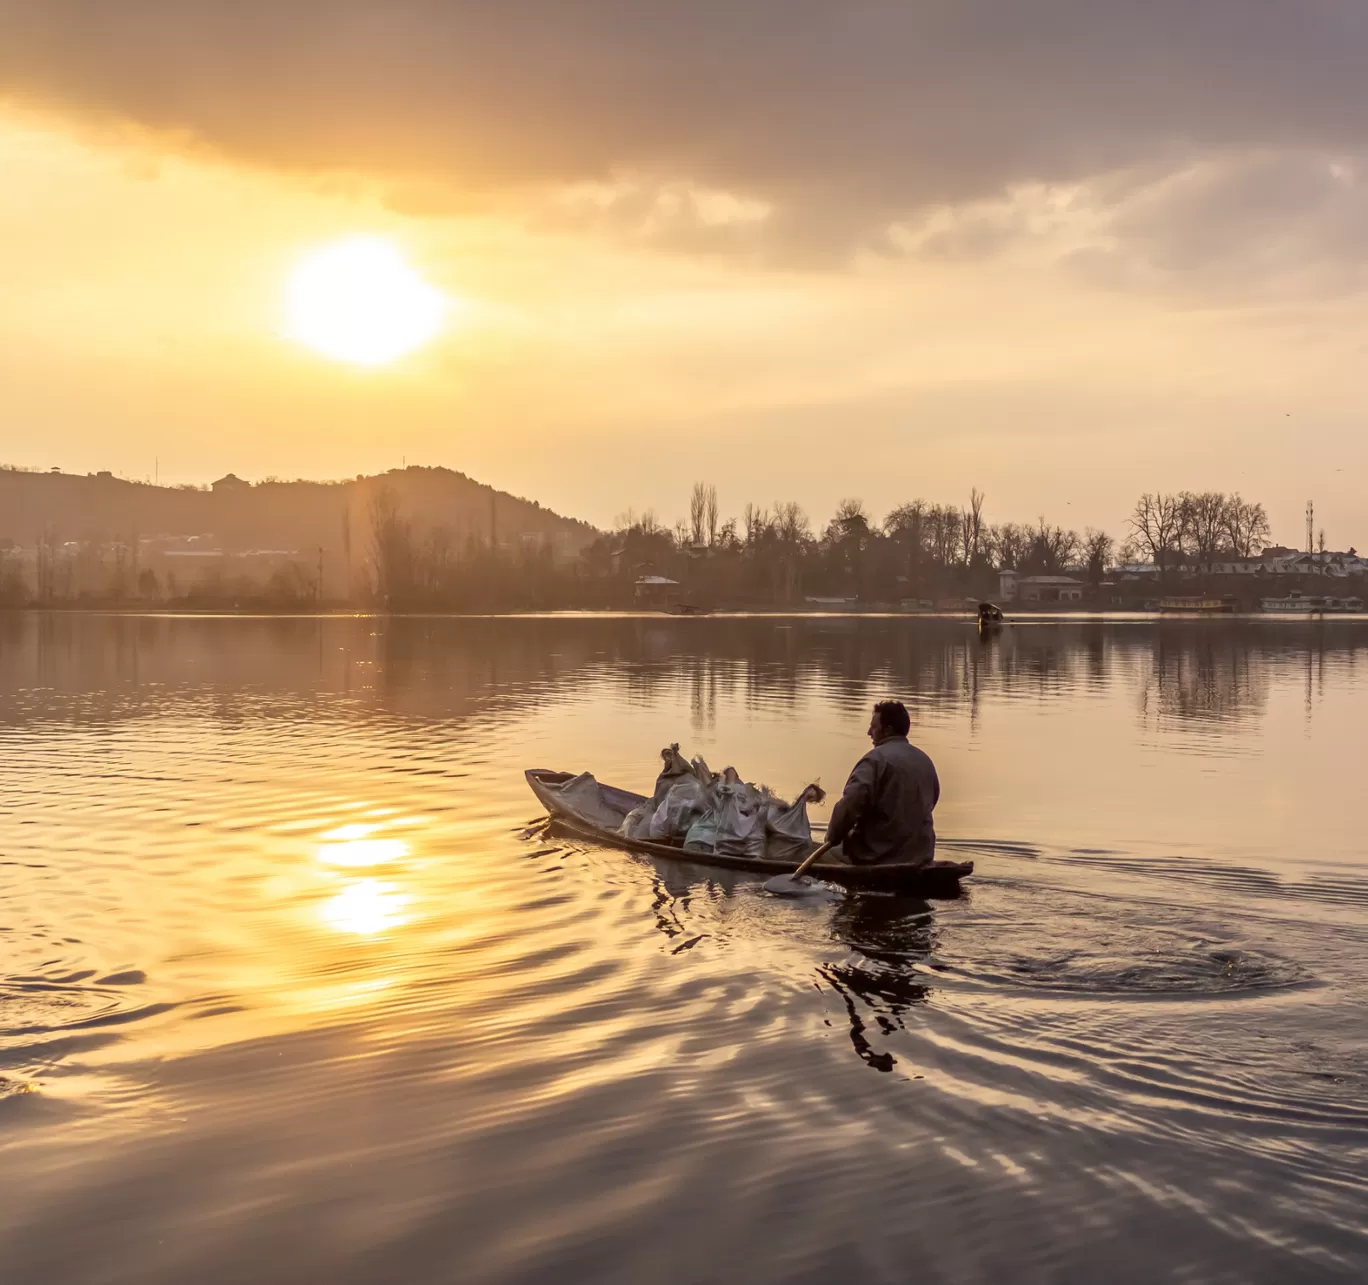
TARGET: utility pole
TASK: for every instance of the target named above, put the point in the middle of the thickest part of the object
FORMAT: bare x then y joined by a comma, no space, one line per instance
318,589
1310,527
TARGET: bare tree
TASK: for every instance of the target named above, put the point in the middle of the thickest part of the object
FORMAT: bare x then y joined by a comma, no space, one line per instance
1097,549
790,529
790,522
971,526
906,527
851,520
1203,518
1157,525
711,513
1052,548
1246,526
943,527
906,522
392,553
1011,545
757,522
698,512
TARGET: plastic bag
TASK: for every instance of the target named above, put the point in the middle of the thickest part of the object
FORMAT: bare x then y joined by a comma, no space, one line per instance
702,836
755,841
585,799
676,769
637,823
788,832
737,823
682,805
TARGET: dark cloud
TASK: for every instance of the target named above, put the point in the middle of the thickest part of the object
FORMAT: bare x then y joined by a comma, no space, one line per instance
1240,226
843,116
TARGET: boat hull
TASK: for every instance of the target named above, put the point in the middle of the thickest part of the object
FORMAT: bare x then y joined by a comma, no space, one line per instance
938,879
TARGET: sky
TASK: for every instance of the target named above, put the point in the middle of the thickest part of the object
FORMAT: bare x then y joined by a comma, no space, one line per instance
1063,251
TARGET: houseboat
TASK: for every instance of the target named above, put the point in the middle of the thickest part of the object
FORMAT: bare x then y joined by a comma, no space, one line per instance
1207,605
1306,604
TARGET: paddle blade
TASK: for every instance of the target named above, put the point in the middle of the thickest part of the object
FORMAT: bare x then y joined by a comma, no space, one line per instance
790,886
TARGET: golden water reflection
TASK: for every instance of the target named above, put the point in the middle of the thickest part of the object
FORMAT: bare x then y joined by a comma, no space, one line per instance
369,906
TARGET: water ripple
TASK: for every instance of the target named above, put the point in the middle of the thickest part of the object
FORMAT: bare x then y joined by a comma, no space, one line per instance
295,984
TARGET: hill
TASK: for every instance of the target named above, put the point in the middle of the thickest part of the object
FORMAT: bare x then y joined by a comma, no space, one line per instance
299,516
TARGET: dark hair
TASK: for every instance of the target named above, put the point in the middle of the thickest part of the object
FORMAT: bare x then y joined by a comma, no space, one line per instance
894,717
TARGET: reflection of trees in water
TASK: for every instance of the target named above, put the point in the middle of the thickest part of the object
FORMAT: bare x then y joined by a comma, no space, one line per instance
1204,677
443,666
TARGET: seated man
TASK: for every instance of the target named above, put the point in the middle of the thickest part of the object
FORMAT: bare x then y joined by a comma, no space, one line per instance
885,812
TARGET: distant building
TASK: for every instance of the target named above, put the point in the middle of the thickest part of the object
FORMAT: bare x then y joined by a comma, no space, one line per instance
655,591
231,484
1015,587
1278,561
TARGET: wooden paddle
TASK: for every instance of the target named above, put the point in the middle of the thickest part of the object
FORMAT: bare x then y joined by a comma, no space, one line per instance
789,883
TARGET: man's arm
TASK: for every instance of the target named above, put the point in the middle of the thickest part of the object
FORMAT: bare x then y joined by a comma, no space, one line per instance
853,801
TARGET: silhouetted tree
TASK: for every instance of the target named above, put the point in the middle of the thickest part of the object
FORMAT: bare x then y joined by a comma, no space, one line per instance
1097,551
1157,525
1246,526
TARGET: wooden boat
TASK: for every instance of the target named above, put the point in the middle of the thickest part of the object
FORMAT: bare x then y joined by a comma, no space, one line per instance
598,819
990,617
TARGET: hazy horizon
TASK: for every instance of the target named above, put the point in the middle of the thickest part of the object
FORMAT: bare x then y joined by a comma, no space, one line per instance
883,252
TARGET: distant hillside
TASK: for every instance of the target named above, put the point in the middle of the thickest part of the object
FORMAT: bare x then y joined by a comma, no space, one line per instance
291,516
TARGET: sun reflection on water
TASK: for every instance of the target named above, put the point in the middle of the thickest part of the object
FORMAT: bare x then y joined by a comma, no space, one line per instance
356,853
369,906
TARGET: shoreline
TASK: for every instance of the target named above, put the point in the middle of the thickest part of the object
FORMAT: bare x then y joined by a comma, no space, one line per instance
1035,616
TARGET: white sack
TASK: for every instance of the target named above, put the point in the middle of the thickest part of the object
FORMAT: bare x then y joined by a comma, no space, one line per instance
682,805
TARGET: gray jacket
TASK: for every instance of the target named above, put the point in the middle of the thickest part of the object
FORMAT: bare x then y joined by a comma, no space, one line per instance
885,812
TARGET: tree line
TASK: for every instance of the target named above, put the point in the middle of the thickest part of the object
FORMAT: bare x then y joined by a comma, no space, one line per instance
773,554
1195,529
768,555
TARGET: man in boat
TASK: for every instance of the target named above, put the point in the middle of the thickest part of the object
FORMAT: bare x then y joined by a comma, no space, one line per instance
885,812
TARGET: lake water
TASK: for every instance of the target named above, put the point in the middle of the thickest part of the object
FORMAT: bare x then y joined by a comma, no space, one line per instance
294,987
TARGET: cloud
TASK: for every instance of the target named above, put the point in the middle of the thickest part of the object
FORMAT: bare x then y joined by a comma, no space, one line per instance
836,119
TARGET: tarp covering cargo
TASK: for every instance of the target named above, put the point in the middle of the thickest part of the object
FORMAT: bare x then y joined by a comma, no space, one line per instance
707,811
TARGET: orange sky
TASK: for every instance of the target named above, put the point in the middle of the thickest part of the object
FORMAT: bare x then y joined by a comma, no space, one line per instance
1061,342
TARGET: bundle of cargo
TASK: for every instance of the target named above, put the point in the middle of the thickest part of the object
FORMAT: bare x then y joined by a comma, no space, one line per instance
706,811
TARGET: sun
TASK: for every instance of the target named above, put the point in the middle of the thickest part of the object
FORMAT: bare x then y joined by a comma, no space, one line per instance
358,300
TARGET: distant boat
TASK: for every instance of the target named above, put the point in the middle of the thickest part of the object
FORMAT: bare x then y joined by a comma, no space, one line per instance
1298,603
990,617
1206,605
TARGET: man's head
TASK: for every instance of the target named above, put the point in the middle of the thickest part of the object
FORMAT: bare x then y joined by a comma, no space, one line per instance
890,719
